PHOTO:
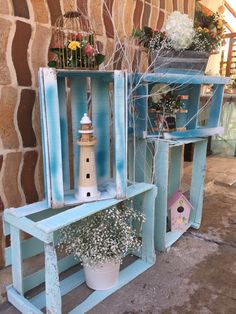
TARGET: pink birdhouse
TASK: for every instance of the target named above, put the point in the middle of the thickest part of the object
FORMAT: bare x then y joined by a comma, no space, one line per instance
178,211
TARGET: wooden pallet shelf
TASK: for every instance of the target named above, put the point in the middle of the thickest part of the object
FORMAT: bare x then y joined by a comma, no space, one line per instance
44,229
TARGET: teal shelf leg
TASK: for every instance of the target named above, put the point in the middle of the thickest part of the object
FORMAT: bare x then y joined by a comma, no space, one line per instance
52,285
197,183
17,267
148,252
161,181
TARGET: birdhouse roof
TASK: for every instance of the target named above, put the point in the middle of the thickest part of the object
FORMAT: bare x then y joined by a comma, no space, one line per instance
175,197
85,119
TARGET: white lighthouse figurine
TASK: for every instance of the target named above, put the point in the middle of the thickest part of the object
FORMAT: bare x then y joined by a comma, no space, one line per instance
87,184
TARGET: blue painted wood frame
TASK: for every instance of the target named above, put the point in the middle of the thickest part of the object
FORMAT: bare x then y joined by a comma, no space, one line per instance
187,82
169,180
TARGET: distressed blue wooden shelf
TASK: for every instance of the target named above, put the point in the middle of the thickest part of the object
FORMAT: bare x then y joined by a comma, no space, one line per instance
105,95
43,223
166,159
185,84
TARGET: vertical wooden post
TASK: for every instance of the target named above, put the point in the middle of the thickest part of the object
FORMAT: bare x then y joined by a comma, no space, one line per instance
194,100
52,285
216,105
17,267
148,251
161,181
197,182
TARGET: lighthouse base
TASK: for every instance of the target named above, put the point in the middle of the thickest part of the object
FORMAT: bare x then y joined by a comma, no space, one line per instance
88,194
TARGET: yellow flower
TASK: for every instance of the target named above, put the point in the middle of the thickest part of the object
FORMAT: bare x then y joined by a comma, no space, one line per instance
73,45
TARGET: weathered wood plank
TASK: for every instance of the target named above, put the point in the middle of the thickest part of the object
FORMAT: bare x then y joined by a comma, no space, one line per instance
175,169
52,137
52,285
120,132
78,108
200,132
21,303
193,108
28,226
161,181
101,124
61,220
64,131
215,107
46,171
29,247
125,276
172,78
30,209
197,184
38,277
17,267
66,285
148,249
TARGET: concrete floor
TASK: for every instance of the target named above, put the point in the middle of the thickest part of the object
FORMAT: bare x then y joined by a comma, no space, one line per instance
197,275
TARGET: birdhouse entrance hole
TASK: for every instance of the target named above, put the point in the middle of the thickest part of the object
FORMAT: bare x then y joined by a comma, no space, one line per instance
180,209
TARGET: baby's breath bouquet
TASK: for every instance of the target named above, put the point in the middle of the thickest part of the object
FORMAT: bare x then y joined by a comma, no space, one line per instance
104,237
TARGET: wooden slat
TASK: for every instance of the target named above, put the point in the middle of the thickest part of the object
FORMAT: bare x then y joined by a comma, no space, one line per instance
28,209
120,132
171,78
148,205
66,285
140,110
125,276
61,220
78,108
38,277
28,226
161,180
64,131
197,181
204,132
46,170
21,303
193,108
30,247
106,76
52,285
17,268
175,170
216,105
101,124
53,136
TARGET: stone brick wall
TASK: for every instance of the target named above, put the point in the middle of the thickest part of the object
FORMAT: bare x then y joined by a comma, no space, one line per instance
25,32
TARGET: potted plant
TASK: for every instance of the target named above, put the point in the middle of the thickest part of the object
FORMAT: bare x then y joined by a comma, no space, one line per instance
180,44
102,240
168,106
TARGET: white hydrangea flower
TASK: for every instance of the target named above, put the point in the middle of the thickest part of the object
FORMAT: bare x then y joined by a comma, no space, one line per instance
179,29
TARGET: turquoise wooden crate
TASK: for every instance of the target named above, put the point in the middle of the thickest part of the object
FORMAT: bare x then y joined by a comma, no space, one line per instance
166,160
104,93
43,223
187,85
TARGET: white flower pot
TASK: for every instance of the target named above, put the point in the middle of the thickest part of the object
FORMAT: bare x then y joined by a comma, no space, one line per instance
102,277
